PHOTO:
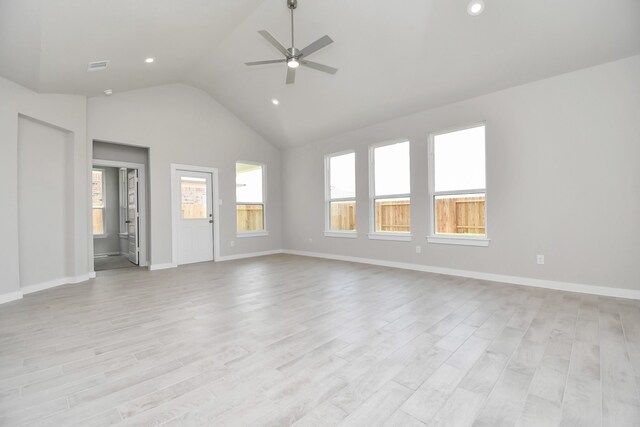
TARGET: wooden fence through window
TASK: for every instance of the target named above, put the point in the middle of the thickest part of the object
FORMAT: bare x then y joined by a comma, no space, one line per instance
250,217
461,215
393,215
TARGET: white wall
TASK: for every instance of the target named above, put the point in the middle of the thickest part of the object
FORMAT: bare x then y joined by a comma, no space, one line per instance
45,202
184,125
61,111
110,243
563,180
120,153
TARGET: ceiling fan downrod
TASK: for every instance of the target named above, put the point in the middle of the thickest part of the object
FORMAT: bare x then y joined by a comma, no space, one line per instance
292,5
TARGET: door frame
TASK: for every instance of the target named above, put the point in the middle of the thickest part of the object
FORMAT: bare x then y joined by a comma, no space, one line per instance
143,259
175,209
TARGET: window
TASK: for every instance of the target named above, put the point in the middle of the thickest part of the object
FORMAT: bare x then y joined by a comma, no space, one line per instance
390,190
458,187
193,197
340,190
98,203
250,215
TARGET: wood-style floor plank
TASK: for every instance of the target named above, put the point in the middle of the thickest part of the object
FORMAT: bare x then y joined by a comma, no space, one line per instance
285,340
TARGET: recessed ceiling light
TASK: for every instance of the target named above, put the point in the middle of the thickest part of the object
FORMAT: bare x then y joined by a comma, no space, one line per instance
275,101
149,60
108,92
476,7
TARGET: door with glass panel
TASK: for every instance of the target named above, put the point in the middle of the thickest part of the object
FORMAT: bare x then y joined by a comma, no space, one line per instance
195,228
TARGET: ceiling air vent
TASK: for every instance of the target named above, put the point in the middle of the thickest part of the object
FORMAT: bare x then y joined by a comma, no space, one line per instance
98,66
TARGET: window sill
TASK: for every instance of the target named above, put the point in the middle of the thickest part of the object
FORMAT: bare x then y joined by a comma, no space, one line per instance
464,241
400,237
345,234
123,235
244,234
100,236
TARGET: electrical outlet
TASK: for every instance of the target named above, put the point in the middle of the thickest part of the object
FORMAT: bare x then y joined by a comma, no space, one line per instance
232,243
540,259
418,249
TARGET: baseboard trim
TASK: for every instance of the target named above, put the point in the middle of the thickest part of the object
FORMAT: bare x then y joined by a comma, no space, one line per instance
249,255
514,280
10,296
55,283
164,266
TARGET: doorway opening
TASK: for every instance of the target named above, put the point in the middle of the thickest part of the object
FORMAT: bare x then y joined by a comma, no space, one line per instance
118,215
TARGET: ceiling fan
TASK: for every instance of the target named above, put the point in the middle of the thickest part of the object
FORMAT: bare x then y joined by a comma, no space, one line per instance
296,57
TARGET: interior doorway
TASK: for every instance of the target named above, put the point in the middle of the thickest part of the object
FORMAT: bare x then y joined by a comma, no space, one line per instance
194,195
118,215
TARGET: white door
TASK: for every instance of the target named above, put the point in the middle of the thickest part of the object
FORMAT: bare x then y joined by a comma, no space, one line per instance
195,223
133,215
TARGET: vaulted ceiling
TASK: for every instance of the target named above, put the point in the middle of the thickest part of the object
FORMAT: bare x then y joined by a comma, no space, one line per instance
394,58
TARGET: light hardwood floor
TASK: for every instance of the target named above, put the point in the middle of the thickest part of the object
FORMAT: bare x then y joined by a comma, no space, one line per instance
286,340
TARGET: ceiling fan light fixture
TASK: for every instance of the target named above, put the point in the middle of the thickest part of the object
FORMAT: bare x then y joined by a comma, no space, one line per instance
475,8
294,57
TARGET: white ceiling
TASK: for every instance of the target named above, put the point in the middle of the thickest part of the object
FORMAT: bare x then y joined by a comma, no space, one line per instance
394,58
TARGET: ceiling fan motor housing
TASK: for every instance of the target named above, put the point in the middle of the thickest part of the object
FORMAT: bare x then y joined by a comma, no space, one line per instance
293,53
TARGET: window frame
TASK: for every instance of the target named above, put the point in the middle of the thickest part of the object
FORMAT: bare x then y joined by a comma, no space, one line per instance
432,237
264,231
105,232
386,235
328,232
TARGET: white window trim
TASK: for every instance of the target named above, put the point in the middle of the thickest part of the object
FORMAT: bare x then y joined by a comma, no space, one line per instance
385,235
105,233
328,232
389,235
243,234
455,240
257,233
341,233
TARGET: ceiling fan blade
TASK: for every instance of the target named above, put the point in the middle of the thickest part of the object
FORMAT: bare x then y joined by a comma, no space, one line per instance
272,61
316,45
273,41
291,75
319,67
